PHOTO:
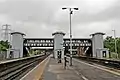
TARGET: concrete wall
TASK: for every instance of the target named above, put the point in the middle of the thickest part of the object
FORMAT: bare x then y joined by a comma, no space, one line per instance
17,45
100,53
97,42
58,41
58,44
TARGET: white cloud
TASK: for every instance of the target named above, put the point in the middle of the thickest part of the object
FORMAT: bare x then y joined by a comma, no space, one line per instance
84,30
95,6
2,0
40,18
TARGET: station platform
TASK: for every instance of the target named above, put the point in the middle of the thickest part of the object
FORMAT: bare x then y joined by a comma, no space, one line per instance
79,71
50,69
56,71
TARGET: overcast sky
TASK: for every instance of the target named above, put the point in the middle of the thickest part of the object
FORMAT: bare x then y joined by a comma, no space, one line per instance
40,18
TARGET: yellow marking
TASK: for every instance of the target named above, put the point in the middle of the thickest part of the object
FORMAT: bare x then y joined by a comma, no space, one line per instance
113,72
37,72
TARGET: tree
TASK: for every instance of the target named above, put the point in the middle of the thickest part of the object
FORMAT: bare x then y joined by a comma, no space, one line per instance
4,45
109,42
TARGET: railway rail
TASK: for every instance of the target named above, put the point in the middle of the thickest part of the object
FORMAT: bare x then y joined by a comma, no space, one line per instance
15,69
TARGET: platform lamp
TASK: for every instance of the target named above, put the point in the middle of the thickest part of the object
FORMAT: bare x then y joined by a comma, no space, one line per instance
71,12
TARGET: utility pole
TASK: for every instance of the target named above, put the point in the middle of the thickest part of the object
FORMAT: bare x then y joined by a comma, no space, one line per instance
70,38
6,35
115,41
6,30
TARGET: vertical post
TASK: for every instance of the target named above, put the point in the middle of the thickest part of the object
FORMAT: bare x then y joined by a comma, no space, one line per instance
6,36
115,41
6,33
70,10
70,39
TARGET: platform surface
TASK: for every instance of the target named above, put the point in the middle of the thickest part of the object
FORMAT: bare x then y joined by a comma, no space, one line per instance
79,71
56,71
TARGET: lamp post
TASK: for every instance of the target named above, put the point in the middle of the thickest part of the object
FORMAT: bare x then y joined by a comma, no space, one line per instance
115,41
71,12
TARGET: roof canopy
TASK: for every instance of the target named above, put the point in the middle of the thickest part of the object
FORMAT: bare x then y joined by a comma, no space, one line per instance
17,33
58,33
97,33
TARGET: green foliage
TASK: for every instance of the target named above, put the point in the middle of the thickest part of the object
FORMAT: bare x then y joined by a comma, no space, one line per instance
109,43
114,55
4,45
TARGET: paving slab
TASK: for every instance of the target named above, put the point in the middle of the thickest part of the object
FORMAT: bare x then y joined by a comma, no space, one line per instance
94,72
56,71
79,71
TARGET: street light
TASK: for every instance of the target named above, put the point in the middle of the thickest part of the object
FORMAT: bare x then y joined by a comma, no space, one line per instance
71,12
115,41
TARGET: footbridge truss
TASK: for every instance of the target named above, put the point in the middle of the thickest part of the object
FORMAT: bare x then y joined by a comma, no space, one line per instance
49,42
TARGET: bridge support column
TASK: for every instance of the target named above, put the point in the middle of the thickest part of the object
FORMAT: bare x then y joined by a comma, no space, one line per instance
97,42
58,44
17,44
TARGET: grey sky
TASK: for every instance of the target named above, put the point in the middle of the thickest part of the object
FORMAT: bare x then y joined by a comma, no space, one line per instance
40,18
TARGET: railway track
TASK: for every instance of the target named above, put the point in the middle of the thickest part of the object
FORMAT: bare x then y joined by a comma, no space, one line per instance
15,69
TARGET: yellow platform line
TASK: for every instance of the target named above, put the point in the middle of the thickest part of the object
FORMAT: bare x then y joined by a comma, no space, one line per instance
37,72
107,70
